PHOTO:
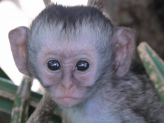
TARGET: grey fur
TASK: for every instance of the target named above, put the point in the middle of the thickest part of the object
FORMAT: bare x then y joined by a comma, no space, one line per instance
129,99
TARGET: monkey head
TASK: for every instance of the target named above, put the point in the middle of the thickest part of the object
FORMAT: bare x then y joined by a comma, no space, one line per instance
72,51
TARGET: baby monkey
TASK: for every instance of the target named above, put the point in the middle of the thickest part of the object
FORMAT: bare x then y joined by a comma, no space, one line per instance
82,60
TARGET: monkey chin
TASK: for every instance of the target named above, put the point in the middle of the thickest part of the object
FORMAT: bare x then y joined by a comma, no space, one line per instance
68,102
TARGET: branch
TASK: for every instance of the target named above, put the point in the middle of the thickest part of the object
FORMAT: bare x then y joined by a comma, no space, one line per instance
96,3
47,2
44,110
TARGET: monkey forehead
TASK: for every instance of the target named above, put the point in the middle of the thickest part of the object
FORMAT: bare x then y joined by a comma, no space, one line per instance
69,43
67,49
55,35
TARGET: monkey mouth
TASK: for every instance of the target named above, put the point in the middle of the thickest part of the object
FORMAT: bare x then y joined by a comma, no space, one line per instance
69,101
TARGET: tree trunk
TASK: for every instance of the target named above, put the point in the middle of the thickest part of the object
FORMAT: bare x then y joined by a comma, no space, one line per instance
145,16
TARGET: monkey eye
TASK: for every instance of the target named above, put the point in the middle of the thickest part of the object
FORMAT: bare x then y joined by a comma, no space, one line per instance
82,65
53,65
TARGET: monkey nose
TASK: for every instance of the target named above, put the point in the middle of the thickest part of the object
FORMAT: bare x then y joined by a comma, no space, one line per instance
67,85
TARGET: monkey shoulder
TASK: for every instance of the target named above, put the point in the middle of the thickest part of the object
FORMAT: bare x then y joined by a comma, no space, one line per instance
140,94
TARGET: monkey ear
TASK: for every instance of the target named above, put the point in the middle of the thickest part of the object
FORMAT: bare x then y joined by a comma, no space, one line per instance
18,38
124,48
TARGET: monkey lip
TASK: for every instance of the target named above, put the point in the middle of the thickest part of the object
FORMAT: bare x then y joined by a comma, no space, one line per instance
68,100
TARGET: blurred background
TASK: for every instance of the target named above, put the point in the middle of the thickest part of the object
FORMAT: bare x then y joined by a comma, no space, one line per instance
145,16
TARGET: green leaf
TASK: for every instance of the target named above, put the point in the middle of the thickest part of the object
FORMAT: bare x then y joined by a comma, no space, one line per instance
154,67
3,74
